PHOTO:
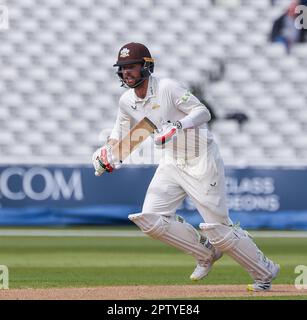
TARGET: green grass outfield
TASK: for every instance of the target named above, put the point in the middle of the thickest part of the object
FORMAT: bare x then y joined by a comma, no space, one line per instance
87,261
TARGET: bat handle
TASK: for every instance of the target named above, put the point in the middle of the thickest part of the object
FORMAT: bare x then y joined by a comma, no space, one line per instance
99,173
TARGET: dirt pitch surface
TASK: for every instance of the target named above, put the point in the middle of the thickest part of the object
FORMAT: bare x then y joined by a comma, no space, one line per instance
146,292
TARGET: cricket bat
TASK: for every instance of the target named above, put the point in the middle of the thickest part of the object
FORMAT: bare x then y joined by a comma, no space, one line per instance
139,133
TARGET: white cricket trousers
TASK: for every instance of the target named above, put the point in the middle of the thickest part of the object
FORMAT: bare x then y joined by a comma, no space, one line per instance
172,183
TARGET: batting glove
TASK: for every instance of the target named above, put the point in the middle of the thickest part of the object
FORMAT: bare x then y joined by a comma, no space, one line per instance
167,133
103,160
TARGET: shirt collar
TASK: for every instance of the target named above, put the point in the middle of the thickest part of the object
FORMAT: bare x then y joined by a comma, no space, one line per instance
151,90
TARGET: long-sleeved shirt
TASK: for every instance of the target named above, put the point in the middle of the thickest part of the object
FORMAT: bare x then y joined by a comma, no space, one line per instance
167,100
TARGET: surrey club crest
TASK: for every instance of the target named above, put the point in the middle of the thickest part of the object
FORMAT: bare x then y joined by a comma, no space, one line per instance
124,53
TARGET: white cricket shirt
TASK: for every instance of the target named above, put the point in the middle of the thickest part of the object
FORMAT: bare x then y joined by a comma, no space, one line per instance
166,100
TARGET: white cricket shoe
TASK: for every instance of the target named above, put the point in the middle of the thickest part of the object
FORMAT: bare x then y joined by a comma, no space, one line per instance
202,269
264,286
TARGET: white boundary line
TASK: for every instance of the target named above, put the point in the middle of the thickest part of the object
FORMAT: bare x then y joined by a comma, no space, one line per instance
279,234
125,233
69,233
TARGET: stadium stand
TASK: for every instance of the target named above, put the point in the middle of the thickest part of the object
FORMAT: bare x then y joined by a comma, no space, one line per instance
59,92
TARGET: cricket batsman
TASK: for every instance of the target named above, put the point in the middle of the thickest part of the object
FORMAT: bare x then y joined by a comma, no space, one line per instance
191,166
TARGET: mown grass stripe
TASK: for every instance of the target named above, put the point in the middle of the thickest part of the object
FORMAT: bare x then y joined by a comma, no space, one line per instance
125,233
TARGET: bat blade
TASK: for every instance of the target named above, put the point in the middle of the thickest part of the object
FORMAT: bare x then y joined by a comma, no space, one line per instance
139,133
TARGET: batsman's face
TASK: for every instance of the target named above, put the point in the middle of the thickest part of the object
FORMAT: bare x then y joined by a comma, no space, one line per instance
131,73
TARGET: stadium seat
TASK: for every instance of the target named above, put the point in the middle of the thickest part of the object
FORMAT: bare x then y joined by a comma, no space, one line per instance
299,142
299,51
254,91
282,153
275,51
240,140
4,114
237,74
6,138
207,26
287,63
19,150
256,128
272,141
278,116
269,76
297,103
301,116
289,128
225,126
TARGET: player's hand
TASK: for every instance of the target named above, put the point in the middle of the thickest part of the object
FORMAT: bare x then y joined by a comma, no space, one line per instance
103,160
167,133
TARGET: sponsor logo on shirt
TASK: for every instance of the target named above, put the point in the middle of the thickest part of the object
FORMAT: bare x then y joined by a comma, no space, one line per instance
186,96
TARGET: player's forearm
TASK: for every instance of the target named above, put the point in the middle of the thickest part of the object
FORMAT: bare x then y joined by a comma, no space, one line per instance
196,118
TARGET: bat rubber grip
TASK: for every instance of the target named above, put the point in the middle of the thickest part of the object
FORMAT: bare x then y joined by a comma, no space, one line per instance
98,174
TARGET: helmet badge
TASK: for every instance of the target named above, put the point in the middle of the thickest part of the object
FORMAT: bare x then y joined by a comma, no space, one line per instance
124,53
